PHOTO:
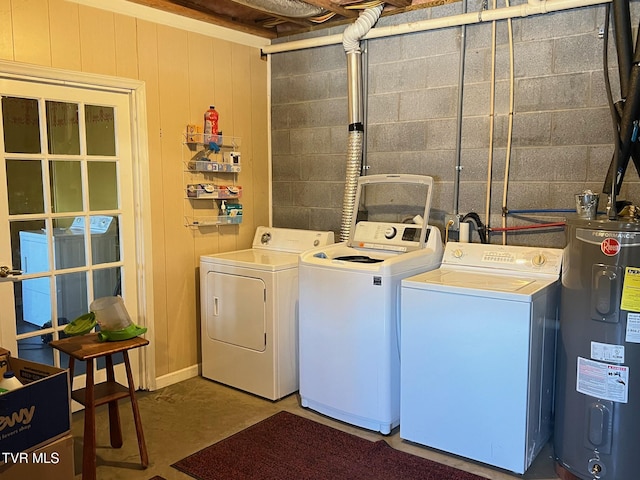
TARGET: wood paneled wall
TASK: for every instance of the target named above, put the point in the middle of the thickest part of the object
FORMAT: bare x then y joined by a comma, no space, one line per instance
184,73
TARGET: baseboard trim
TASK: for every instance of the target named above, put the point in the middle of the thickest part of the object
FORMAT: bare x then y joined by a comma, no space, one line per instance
178,376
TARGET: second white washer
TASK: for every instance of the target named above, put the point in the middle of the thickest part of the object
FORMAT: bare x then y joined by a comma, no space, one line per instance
478,348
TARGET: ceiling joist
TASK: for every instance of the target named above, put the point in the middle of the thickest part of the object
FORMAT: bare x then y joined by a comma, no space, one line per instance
247,19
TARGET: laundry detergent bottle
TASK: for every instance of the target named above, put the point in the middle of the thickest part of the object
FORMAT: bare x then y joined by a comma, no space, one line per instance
9,382
210,132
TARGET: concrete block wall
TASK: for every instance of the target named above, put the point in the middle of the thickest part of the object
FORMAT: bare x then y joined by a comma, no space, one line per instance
562,132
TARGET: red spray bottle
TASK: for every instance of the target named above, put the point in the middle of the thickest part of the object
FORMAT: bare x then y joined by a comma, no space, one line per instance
211,125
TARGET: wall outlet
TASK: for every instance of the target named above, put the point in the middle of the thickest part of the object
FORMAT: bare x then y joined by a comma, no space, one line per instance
455,219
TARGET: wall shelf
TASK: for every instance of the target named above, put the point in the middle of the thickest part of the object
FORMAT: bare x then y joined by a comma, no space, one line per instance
214,221
210,172
209,191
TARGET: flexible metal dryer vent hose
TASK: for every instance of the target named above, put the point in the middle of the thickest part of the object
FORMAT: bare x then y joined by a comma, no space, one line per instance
354,32
351,42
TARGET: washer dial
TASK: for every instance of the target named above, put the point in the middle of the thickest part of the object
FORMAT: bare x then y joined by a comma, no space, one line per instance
539,260
390,232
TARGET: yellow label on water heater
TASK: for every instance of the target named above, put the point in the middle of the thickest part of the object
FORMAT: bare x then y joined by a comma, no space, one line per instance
631,290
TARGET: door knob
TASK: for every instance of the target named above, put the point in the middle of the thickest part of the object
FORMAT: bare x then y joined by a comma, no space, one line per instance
7,271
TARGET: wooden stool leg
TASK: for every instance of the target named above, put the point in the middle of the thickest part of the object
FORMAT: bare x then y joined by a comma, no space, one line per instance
71,372
115,429
144,459
89,450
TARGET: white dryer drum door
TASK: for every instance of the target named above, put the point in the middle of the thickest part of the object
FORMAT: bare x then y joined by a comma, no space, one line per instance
236,310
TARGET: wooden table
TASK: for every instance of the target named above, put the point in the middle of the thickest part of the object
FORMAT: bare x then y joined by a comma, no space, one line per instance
87,348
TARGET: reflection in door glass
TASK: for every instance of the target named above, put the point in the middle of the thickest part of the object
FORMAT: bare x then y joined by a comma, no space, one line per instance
24,184
21,125
105,247
100,130
103,185
65,180
68,243
106,282
30,252
63,132
72,296
35,304
36,349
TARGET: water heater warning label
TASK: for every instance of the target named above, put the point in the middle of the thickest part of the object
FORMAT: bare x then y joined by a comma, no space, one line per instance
607,352
603,380
632,333
631,290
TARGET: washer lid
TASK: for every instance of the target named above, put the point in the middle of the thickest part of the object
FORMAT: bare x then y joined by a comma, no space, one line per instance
492,285
253,258
388,199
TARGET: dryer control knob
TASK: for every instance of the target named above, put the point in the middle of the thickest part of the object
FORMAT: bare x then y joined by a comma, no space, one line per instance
539,260
264,239
458,253
390,232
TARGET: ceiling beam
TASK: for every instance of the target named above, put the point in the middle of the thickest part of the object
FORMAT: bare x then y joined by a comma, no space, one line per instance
171,7
334,7
398,3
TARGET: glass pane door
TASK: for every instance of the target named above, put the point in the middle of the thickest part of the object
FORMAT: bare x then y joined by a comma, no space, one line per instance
66,202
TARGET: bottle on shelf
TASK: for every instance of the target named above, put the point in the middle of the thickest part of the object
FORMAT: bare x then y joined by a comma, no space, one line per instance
210,133
9,382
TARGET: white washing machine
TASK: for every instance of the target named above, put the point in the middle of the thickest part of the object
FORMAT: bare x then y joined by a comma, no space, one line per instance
69,252
478,347
249,302
349,303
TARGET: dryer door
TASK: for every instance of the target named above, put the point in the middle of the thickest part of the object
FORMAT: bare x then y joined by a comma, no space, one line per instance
236,310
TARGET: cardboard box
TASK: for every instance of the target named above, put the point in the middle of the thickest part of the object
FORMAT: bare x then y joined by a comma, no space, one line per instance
234,209
194,133
4,360
53,461
37,413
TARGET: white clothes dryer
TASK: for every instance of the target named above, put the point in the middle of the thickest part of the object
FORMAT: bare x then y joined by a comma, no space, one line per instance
478,349
249,301
349,303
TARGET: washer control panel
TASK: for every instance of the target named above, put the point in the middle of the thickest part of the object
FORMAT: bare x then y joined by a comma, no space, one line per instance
395,237
504,257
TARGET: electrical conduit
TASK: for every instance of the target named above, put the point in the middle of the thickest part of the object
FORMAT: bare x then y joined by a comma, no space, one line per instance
351,43
507,166
458,168
492,98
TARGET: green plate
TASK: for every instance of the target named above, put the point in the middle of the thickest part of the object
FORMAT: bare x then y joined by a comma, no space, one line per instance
81,325
125,334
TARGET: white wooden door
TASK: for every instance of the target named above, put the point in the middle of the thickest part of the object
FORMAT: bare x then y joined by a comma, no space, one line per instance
66,213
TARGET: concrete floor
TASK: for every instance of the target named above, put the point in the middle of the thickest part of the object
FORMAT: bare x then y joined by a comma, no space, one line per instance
183,418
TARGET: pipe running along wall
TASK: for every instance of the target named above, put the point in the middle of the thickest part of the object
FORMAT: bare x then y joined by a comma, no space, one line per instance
533,7
351,43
